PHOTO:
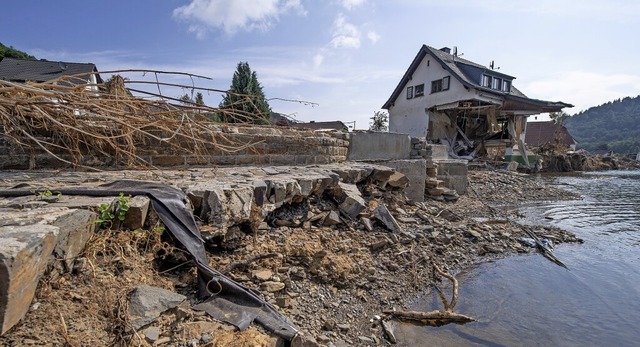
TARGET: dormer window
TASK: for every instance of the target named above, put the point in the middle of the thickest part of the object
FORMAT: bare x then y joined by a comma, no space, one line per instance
496,83
506,86
486,81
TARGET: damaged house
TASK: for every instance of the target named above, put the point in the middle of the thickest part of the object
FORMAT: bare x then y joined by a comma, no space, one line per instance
473,109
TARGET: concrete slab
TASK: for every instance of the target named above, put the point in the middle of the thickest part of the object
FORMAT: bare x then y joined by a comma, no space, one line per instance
453,172
366,146
416,172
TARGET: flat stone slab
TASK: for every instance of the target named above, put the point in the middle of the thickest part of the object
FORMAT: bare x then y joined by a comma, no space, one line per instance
28,238
24,253
147,303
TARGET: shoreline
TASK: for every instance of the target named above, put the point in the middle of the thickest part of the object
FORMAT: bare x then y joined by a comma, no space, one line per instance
331,282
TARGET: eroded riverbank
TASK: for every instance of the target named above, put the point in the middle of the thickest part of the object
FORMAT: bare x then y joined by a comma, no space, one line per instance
331,280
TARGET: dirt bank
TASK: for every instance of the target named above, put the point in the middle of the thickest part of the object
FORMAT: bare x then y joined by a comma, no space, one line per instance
330,280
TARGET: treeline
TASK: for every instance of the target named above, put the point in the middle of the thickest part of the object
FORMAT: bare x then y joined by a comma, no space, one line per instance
11,52
612,126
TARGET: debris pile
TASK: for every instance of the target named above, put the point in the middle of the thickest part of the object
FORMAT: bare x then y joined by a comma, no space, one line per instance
558,158
331,261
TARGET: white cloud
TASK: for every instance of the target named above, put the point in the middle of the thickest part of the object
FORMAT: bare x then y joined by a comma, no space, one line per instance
373,37
317,60
345,35
351,4
234,15
584,89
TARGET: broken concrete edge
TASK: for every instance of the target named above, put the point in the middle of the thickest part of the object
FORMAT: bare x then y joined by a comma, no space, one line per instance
224,206
45,238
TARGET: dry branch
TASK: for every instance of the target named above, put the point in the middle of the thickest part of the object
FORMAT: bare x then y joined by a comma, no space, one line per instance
438,317
73,121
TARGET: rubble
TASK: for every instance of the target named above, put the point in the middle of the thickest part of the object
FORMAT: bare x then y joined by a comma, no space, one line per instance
330,280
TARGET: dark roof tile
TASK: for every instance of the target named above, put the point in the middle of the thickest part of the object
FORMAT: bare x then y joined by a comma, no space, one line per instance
20,70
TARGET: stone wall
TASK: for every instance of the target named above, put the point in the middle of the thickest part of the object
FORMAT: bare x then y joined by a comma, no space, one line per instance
234,146
377,146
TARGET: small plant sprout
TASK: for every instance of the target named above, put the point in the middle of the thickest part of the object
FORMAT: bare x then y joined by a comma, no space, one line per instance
107,214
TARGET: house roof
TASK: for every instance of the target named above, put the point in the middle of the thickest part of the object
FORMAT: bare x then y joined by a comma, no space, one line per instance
462,70
539,133
335,125
21,70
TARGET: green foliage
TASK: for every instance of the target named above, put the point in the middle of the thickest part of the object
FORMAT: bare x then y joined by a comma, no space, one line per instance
48,194
11,52
613,126
107,214
245,101
379,121
199,99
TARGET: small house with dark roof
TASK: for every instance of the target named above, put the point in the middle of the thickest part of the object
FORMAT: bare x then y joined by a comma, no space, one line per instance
22,70
540,133
471,107
313,125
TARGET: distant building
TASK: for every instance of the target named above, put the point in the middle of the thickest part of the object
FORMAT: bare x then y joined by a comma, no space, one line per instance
313,125
540,133
469,106
21,71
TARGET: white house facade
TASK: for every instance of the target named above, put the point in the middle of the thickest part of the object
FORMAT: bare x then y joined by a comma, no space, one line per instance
470,107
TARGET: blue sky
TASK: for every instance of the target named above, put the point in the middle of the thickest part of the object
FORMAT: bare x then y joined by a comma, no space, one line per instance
344,55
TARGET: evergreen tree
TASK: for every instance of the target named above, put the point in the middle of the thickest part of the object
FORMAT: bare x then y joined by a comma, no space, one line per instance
245,102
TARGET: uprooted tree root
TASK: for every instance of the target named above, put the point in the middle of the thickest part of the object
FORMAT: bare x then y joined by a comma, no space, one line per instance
73,121
438,317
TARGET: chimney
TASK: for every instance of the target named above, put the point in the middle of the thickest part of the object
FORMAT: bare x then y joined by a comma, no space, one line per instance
446,50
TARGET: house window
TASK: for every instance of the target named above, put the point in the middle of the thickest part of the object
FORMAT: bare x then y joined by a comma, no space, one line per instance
506,86
409,92
419,90
436,86
486,81
440,85
497,83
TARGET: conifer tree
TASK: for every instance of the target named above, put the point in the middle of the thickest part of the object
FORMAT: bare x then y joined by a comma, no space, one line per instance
245,102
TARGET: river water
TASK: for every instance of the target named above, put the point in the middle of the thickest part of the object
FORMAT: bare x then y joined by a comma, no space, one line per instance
529,301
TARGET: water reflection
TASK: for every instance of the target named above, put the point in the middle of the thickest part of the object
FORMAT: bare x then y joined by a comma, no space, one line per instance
528,301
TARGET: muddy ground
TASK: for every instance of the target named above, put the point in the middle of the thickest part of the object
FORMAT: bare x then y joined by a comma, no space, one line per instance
332,281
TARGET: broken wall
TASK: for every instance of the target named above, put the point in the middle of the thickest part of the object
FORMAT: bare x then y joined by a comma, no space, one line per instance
238,146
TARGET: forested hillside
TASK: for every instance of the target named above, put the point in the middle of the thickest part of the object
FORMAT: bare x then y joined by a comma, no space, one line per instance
13,53
613,126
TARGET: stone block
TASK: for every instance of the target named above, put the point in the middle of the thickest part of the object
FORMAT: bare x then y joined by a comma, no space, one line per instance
349,199
416,172
379,146
137,214
28,238
228,206
438,151
453,172
147,303
168,160
382,214
24,254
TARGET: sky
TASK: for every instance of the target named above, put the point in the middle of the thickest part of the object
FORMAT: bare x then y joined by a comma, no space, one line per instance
340,59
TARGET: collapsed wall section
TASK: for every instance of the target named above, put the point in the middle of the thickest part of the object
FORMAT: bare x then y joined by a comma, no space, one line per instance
227,146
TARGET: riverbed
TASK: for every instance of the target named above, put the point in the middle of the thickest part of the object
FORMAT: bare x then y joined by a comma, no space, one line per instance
529,301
